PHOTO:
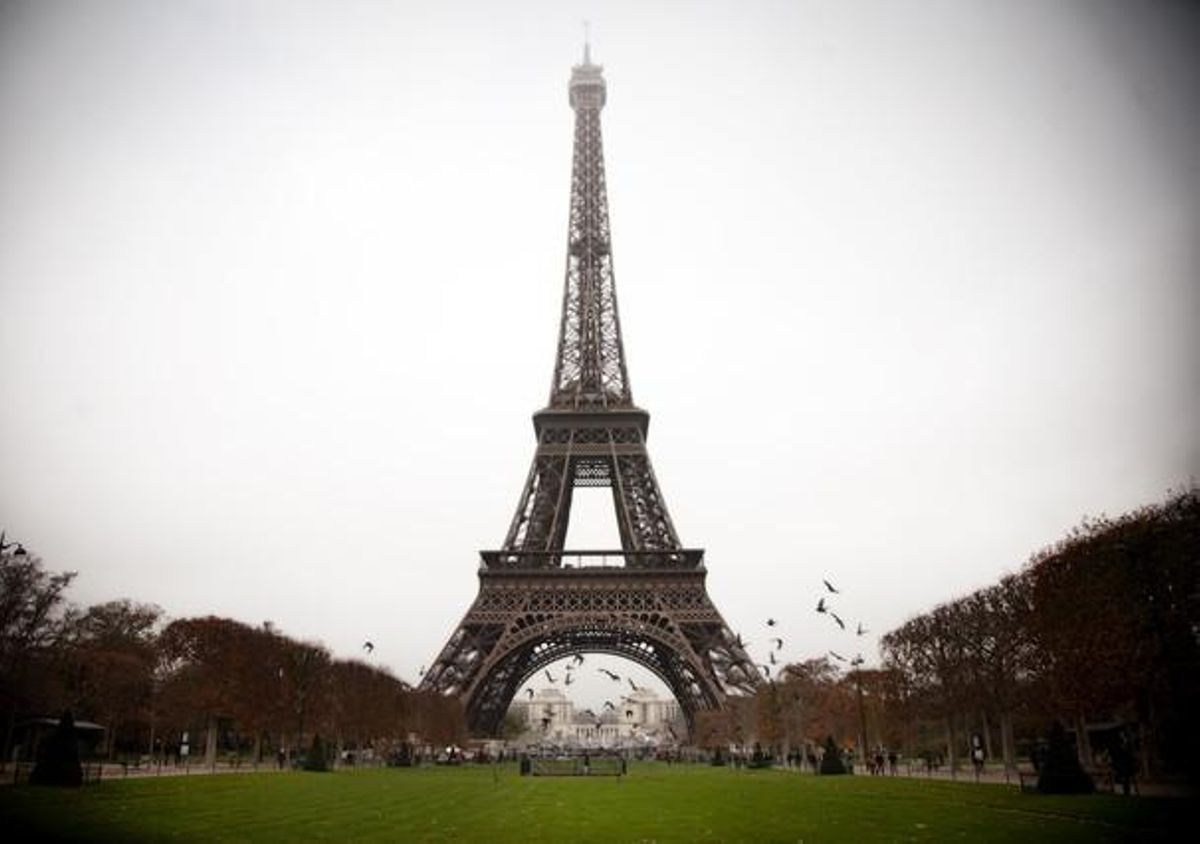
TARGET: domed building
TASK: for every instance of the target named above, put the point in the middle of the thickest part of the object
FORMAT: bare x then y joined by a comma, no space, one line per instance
641,719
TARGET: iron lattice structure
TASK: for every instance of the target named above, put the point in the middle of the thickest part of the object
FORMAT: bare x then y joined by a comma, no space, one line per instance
539,602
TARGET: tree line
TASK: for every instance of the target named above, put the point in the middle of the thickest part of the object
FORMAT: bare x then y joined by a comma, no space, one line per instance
232,687
1099,632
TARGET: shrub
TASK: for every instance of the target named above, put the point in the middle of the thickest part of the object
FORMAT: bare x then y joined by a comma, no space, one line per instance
831,762
318,756
1060,771
58,757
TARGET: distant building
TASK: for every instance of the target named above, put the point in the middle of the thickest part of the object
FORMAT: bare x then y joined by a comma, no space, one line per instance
641,718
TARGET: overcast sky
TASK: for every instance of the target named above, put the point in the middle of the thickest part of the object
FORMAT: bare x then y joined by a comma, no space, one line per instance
908,288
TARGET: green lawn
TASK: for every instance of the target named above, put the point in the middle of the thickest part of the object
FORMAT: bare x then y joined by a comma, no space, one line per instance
654,803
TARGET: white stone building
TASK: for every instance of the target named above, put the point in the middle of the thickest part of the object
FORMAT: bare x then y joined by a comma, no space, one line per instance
641,718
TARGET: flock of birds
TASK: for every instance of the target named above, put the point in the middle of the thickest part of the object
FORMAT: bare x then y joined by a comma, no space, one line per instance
824,607
569,675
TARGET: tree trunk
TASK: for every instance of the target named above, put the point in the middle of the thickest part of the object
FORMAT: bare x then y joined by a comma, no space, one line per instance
1007,744
111,735
1082,746
210,743
952,746
987,733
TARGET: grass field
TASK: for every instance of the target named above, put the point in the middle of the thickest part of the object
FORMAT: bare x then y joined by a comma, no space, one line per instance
654,803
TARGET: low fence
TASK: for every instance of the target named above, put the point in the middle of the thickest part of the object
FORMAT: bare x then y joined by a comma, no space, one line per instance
18,773
578,766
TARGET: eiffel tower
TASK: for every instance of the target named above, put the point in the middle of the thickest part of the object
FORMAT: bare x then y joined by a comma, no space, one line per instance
539,602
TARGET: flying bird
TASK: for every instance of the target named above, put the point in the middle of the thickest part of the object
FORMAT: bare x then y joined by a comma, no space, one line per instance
628,713
738,639
835,617
4,546
766,669
530,693
837,656
569,680
862,630
771,657
821,605
616,678
608,704
550,676
857,661
829,586
578,658
368,646
778,643
771,622
421,671
632,684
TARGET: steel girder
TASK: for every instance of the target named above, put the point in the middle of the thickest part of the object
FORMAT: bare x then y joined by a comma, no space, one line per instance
524,620
589,370
587,454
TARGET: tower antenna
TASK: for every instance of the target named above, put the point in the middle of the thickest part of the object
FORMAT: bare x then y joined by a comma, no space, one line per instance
587,45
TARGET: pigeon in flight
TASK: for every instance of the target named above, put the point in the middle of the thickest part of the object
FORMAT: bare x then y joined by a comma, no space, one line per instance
862,630
778,643
632,684
578,658
771,622
821,605
857,661
550,676
530,693
837,656
368,646
616,678
835,617
829,586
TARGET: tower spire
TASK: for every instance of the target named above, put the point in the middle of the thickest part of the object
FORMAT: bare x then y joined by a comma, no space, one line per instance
589,369
587,46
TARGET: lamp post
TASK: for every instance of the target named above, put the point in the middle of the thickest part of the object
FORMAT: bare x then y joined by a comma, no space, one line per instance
862,716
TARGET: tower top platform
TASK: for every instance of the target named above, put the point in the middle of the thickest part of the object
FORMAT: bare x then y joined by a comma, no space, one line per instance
587,87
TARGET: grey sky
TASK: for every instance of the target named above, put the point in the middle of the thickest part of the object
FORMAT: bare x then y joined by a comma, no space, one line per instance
908,288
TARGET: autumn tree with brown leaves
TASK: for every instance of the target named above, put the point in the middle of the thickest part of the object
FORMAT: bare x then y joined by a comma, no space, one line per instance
31,601
108,656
